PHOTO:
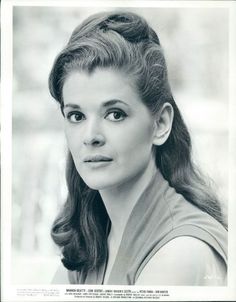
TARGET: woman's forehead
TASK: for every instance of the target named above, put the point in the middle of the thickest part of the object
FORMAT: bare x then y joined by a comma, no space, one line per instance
104,84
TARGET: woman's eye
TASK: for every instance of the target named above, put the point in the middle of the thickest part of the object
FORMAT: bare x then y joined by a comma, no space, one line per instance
116,115
75,117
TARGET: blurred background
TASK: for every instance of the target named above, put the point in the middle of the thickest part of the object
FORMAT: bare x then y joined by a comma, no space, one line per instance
195,41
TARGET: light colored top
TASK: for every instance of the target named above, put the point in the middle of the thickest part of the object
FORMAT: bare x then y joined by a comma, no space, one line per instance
161,220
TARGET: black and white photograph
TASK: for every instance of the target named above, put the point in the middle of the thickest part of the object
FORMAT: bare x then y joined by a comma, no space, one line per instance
118,143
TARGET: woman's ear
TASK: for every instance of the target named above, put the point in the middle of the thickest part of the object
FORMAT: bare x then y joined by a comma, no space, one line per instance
163,124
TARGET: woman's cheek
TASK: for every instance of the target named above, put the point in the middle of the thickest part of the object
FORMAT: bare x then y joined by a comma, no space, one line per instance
73,140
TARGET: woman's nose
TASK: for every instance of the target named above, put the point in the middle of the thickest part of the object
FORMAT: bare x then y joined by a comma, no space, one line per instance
93,135
97,141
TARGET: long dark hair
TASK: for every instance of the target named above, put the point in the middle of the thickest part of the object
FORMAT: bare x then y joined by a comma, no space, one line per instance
123,41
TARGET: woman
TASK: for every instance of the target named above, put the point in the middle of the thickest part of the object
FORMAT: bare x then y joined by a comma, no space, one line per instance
136,204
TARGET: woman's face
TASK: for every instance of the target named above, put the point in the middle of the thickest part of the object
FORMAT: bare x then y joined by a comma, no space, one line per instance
108,129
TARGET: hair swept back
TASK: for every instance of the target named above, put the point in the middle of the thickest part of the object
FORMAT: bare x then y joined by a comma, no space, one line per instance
123,41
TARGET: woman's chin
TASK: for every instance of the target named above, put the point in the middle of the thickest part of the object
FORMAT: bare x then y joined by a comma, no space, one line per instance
98,184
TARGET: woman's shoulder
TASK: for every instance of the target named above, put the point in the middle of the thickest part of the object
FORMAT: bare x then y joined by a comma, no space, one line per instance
184,260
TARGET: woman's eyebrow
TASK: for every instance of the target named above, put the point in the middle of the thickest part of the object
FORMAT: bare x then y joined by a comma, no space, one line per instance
113,102
74,106
104,104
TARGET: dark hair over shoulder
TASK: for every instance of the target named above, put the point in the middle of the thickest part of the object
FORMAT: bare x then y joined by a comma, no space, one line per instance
124,41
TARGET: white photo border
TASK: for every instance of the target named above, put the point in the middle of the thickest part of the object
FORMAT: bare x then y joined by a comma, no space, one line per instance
58,292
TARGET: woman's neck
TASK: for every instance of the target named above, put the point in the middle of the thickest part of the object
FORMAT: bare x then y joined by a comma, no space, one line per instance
120,201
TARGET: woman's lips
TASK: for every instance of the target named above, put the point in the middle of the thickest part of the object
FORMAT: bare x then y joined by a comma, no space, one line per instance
97,161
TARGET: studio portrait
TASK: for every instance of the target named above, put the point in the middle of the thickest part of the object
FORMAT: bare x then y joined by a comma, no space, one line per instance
120,146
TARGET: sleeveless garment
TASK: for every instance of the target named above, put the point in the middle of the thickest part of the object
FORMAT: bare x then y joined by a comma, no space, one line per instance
160,215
